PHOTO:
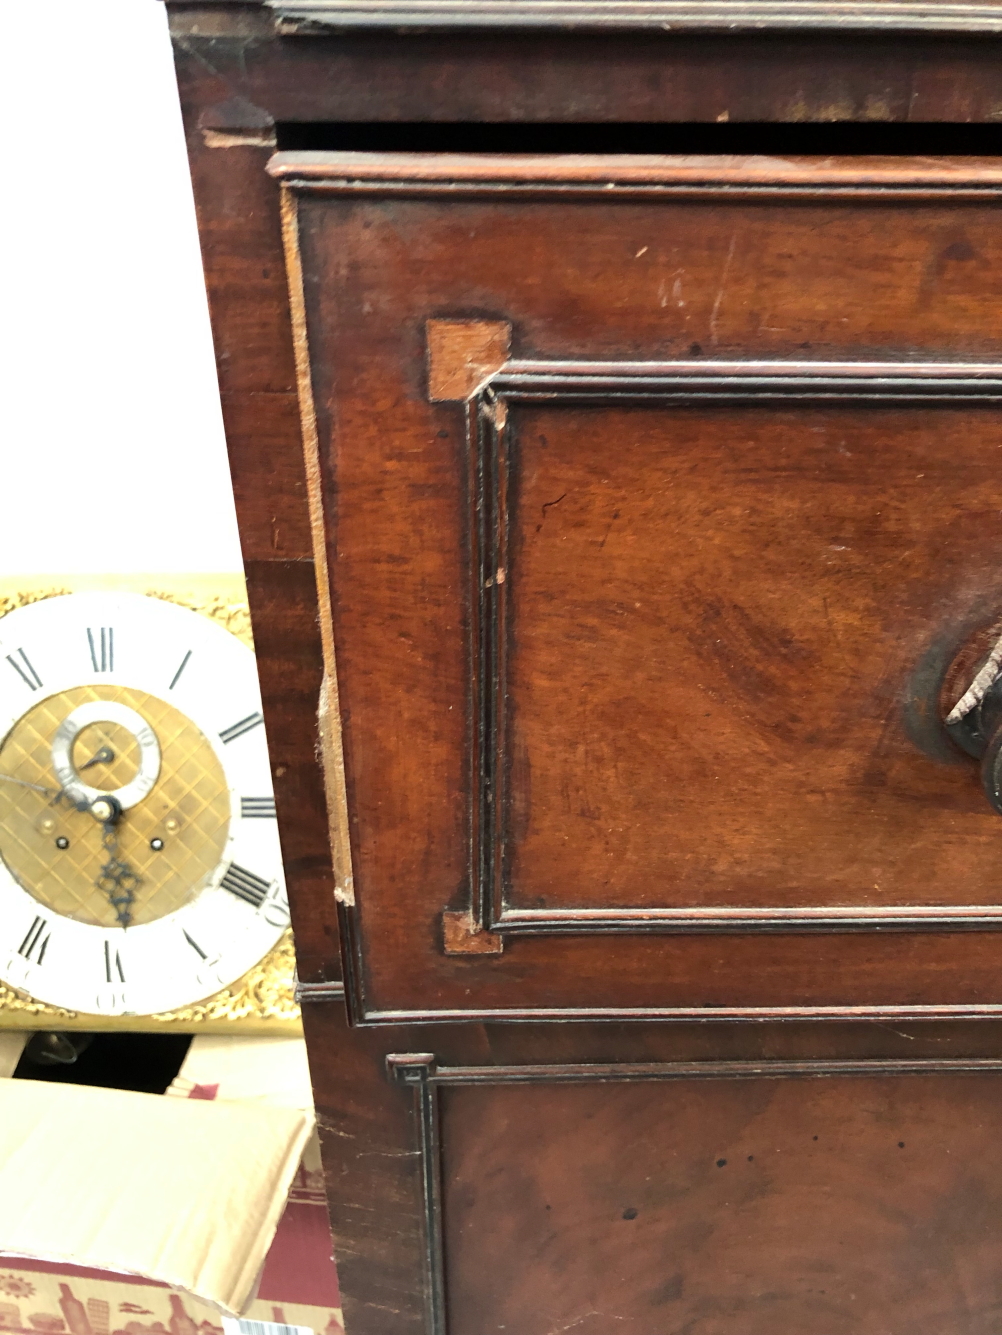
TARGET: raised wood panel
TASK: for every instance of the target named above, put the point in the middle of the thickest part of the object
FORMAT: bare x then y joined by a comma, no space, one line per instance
650,618
775,1205
502,1143
712,617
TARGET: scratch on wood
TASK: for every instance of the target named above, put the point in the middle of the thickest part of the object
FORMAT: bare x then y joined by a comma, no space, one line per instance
330,1128
720,290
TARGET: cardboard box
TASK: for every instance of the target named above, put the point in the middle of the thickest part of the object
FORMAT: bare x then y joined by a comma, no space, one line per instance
300,1272
135,1214
43,1298
11,1047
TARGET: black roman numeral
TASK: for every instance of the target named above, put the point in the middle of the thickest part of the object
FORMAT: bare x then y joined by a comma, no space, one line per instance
194,945
245,885
177,674
257,806
36,941
24,669
102,648
236,730
113,970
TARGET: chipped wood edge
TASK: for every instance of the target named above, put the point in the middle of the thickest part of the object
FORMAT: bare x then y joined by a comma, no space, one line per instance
463,355
331,749
239,138
462,935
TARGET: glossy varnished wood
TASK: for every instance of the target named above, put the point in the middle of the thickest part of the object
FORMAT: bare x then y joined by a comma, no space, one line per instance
571,1118
245,277
288,650
711,632
712,616
741,176
439,1186
515,77
777,1204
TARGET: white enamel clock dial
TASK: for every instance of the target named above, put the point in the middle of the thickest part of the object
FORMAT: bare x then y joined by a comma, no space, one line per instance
140,868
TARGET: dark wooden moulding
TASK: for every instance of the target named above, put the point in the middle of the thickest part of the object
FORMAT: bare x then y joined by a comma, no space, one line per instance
606,1117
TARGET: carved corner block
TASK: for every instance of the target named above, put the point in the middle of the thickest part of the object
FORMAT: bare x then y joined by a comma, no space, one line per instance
462,354
237,123
410,1068
462,936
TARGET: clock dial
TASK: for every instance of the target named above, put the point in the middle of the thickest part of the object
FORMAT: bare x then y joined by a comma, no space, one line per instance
140,869
175,818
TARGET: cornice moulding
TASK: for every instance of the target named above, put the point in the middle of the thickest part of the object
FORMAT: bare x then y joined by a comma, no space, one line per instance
313,17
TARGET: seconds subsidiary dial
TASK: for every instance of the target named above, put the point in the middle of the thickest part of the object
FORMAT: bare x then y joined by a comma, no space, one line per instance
141,869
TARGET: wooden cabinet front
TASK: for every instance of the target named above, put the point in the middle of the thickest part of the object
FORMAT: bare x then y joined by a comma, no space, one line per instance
656,517
659,496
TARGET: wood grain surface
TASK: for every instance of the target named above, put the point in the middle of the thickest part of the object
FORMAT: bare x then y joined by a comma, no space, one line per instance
521,77
644,1230
804,1204
707,1247
245,277
715,616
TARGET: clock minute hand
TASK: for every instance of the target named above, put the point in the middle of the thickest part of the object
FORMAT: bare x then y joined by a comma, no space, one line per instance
9,778
57,794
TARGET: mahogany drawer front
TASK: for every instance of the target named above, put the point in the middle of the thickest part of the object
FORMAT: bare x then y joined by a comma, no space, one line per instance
777,1204
654,499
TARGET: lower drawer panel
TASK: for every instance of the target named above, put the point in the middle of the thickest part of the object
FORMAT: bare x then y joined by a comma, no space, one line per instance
821,1205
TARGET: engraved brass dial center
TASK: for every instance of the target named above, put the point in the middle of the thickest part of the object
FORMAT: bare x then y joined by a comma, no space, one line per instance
175,813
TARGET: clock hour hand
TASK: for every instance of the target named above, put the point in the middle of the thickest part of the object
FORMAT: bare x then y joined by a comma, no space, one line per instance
103,757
